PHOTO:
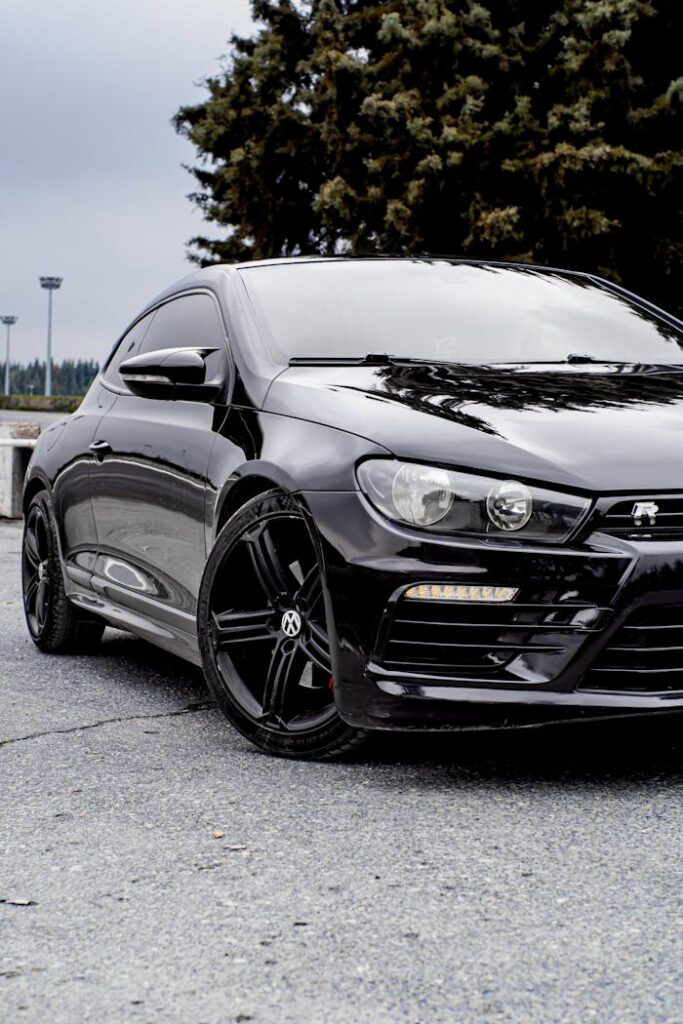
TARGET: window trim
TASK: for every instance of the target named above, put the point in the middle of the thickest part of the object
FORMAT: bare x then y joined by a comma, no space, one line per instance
109,386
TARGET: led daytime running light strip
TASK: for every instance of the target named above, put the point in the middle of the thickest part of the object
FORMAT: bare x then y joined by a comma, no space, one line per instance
464,592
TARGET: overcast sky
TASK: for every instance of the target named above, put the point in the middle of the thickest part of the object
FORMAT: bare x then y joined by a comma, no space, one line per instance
91,183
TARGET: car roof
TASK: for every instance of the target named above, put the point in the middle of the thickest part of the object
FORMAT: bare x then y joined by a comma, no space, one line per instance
215,275
393,257
217,271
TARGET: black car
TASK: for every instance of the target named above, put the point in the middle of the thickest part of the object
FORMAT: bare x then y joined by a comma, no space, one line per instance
364,494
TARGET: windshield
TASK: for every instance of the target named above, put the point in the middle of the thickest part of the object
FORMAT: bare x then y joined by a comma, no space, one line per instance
449,312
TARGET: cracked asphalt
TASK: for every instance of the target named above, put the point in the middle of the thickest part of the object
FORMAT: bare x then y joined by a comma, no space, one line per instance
155,868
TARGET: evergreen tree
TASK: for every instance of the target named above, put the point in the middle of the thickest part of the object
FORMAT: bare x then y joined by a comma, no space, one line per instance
505,129
70,377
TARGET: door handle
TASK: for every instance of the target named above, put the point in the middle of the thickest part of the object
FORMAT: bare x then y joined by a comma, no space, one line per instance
100,449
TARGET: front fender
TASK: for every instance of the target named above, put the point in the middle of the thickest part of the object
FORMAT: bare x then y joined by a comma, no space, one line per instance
256,450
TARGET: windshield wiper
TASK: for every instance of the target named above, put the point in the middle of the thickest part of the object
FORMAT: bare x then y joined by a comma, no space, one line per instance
388,359
575,358
654,368
578,359
636,368
370,359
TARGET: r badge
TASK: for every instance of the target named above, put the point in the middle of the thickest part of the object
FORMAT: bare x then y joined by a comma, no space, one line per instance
643,509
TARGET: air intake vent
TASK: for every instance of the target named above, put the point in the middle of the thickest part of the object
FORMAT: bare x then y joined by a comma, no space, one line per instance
503,641
645,655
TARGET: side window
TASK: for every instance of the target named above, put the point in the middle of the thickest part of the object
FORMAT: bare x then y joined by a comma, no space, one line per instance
191,321
128,346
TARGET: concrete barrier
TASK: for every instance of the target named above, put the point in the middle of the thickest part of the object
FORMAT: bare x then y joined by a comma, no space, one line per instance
17,440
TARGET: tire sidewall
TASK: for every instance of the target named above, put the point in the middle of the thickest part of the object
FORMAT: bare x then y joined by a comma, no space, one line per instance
58,617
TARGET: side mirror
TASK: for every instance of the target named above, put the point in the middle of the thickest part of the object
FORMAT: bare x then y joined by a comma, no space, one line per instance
171,373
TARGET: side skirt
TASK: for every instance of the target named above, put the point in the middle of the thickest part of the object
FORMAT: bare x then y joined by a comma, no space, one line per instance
173,631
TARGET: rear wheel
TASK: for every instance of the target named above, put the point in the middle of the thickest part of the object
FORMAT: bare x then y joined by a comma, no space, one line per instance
53,622
263,633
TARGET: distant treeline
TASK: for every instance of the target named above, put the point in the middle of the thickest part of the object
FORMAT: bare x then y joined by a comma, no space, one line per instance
71,377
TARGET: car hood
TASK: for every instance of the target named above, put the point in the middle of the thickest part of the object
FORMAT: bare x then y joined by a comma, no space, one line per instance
574,426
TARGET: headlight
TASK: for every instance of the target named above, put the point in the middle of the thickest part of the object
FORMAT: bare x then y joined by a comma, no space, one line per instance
421,494
449,502
509,505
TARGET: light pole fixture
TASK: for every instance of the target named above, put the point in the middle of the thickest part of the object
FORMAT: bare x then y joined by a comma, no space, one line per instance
52,284
7,321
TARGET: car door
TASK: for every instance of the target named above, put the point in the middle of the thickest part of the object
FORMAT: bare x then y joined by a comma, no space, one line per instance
148,485
68,456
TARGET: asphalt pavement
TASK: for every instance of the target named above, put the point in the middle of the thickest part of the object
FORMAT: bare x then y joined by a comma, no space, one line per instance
156,868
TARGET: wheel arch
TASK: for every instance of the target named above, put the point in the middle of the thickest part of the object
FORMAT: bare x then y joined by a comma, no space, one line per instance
238,492
33,486
241,489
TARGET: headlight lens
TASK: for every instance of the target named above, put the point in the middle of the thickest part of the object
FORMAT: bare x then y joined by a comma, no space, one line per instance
421,494
509,505
449,502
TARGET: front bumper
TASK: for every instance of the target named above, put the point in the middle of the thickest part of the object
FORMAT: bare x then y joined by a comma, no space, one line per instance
596,628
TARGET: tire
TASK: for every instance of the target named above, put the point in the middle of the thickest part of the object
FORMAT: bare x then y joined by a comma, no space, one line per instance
54,623
263,633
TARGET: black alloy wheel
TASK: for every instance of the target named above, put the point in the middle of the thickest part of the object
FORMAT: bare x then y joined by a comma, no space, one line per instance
53,622
263,632
36,576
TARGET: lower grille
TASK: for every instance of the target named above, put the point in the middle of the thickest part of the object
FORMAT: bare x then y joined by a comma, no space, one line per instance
529,642
645,654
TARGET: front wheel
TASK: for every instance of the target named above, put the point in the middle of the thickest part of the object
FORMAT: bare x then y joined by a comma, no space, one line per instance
263,633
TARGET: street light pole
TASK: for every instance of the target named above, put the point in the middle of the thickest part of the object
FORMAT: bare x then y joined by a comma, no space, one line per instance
52,284
7,321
